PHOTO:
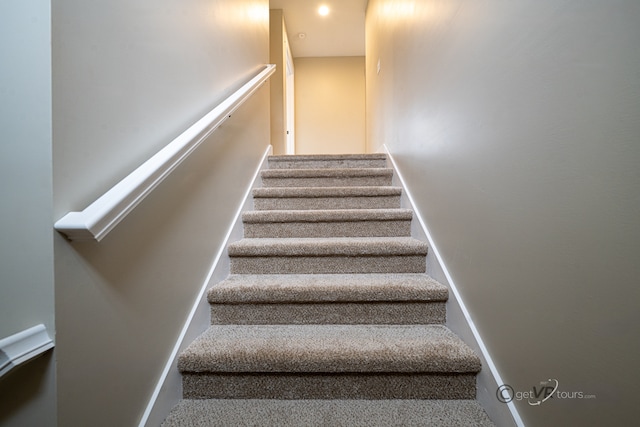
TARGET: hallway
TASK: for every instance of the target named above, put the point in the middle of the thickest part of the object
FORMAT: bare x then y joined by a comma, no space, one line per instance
513,127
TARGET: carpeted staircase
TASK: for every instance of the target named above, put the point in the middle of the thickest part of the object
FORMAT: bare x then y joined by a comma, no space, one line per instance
328,317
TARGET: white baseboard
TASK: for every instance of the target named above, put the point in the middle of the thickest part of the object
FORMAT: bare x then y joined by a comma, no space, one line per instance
459,319
168,391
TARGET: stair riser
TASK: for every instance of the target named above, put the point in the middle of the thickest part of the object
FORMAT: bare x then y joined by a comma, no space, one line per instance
327,164
329,386
323,413
328,229
388,313
306,203
357,181
328,264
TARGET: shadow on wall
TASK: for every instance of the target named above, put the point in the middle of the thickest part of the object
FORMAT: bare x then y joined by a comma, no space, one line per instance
24,385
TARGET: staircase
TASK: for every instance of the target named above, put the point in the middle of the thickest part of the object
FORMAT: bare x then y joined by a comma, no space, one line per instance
328,317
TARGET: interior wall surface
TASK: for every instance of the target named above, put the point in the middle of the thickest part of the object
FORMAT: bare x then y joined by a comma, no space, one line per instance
515,125
330,105
27,392
128,77
278,56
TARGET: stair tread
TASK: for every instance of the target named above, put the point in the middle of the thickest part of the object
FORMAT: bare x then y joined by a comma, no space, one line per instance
317,161
328,349
316,413
331,246
296,288
327,215
316,157
326,173
300,192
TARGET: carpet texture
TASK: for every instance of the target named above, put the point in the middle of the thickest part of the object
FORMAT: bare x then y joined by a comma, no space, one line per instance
327,255
328,317
392,299
342,313
296,198
347,386
327,288
328,348
323,413
331,161
327,223
349,177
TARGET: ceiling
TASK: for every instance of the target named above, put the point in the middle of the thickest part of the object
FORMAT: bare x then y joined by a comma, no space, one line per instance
341,33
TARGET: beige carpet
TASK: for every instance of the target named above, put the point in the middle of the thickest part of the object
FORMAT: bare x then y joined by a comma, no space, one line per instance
324,413
328,317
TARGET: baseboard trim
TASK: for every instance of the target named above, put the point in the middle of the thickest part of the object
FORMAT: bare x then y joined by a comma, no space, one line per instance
487,384
168,391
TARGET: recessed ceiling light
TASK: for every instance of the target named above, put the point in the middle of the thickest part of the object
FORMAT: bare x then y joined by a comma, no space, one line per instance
323,10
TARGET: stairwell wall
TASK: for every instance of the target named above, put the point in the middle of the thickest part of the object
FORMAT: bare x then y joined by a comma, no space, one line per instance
27,393
278,45
128,77
330,105
515,127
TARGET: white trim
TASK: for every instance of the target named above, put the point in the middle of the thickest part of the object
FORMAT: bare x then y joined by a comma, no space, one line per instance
454,289
22,347
170,379
100,217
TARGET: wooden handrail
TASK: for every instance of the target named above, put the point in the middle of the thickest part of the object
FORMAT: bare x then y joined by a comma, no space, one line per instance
101,216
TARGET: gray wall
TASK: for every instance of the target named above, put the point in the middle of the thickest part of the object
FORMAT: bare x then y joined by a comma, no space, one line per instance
517,127
27,394
127,78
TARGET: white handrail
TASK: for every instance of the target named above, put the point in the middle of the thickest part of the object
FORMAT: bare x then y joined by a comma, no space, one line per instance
22,347
100,217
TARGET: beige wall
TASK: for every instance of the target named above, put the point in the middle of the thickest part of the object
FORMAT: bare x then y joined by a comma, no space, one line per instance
330,105
27,394
278,55
516,126
128,78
